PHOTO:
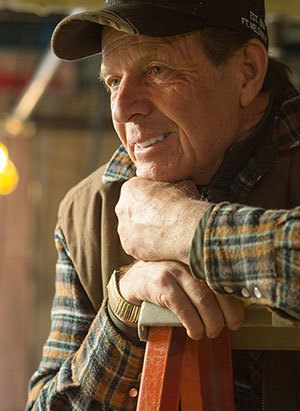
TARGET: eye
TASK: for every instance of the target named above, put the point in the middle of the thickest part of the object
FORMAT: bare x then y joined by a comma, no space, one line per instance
112,83
157,70
159,73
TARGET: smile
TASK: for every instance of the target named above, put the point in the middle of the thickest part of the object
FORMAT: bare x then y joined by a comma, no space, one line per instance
152,141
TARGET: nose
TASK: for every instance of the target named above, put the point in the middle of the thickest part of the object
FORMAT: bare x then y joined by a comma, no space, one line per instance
129,100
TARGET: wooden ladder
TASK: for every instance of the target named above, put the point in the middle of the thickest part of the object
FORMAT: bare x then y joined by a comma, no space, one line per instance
178,370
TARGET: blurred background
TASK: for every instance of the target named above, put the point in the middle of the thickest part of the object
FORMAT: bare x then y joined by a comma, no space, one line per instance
55,129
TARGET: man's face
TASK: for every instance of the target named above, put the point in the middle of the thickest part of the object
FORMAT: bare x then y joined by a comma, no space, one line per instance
175,113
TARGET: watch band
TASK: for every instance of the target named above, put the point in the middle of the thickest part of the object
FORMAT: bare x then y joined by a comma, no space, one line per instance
122,309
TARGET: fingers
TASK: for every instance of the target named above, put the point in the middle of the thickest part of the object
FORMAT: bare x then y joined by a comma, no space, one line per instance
171,295
205,302
191,300
154,282
233,311
170,284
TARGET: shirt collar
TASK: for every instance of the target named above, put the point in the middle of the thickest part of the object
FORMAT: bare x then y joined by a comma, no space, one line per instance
287,127
120,167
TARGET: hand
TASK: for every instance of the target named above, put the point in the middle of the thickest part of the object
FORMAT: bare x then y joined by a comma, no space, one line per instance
157,221
170,284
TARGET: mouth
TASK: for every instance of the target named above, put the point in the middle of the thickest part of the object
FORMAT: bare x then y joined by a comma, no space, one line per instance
152,141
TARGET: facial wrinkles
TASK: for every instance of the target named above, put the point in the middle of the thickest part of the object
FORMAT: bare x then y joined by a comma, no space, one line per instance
191,75
127,52
200,79
125,48
207,85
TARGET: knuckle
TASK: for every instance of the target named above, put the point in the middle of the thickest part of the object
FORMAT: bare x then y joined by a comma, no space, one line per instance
119,207
126,245
127,249
167,298
183,311
119,229
164,280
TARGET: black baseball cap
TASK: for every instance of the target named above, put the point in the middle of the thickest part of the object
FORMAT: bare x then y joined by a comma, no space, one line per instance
79,35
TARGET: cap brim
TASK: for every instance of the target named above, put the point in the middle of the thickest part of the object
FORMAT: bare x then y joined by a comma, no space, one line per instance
79,35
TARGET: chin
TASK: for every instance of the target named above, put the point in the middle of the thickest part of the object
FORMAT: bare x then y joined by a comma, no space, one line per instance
159,174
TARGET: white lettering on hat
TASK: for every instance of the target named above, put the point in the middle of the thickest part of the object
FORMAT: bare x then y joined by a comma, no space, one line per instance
245,22
256,24
253,17
262,24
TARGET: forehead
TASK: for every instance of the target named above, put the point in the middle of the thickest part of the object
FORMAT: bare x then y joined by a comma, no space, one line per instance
117,44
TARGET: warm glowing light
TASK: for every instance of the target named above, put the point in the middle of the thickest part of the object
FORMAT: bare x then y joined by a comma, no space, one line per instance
14,126
9,178
3,157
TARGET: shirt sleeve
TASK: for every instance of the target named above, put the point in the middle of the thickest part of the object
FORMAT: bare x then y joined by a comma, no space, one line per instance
86,363
251,253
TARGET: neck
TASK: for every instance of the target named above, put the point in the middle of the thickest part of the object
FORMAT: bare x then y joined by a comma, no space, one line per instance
252,115
250,118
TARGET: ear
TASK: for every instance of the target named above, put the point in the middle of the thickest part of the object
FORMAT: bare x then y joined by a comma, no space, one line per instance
254,69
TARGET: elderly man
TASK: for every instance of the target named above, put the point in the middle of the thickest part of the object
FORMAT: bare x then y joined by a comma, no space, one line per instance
202,114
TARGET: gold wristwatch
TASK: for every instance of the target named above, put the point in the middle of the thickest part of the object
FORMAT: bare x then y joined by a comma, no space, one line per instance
122,309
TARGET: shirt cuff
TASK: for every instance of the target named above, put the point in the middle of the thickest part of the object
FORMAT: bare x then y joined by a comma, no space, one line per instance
127,332
196,259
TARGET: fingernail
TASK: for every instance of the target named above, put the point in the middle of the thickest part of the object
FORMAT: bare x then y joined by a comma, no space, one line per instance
196,337
213,335
235,327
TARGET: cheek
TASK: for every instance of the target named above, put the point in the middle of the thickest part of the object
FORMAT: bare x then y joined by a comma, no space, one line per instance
193,146
187,106
120,130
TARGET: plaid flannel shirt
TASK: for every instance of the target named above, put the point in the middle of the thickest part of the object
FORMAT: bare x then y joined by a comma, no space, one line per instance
87,365
251,253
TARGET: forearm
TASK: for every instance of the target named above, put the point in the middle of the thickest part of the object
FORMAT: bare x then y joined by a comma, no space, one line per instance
253,254
188,218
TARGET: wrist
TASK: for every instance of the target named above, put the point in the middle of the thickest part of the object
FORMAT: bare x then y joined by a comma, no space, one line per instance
190,214
125,311
127,283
